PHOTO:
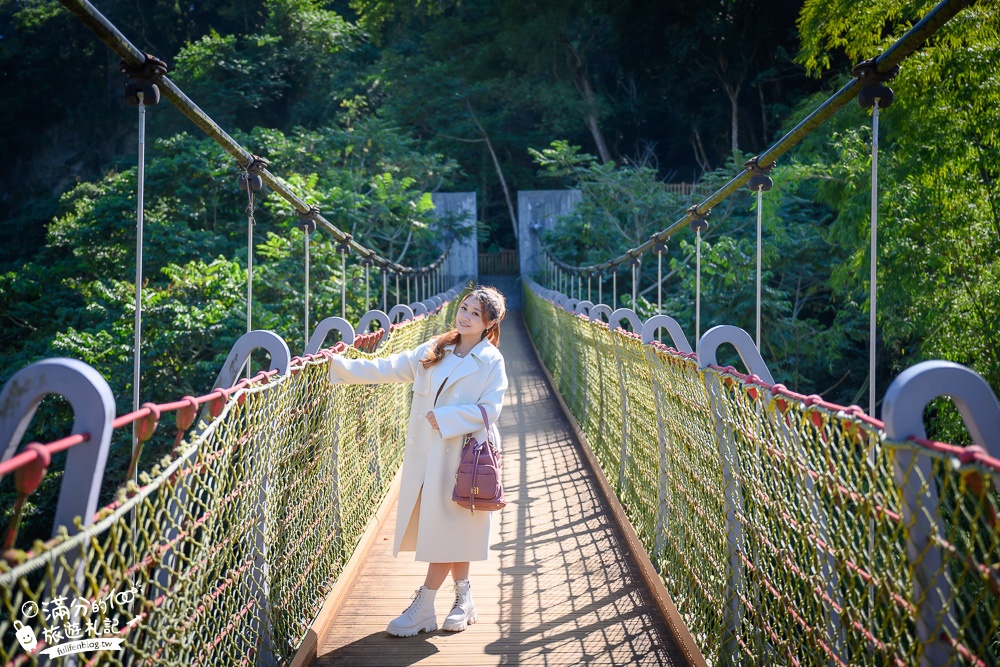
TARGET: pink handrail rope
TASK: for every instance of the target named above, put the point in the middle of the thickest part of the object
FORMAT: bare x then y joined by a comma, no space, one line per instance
188,405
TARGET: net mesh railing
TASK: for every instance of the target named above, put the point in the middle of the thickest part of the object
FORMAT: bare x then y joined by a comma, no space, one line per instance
225,553
778,522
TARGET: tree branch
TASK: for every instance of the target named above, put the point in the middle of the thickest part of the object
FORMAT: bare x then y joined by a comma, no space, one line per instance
496,165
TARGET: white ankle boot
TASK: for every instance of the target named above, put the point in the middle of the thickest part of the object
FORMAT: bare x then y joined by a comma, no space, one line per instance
463,613
418,617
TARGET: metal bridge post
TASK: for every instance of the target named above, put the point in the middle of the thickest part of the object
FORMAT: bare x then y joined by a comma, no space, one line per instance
729,457
732,504
93,407
902,411
323,329
659,532
260,582
613,323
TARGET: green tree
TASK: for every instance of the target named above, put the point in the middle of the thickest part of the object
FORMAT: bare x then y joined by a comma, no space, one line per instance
939,210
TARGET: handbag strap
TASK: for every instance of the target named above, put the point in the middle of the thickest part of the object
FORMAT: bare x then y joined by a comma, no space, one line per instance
486,420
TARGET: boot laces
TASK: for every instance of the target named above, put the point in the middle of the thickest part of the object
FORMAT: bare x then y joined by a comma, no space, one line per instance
416,597
458,599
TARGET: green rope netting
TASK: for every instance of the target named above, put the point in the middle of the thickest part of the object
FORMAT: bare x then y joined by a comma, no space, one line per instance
225,554
777,523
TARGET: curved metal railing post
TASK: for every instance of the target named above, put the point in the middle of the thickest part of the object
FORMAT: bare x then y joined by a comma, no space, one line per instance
902,411
93,407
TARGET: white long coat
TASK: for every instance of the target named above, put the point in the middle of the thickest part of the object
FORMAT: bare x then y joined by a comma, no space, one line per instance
427,521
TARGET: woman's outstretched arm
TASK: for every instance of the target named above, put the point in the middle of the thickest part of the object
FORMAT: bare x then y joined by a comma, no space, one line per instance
401,367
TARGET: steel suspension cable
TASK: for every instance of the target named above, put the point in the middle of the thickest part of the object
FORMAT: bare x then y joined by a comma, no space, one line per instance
343,283
659,283
873,263
305,234
760,199
140,205
697,288
250,225
367,286
635,285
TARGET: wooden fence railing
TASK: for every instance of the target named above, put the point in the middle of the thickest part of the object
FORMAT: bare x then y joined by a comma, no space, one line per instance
503,263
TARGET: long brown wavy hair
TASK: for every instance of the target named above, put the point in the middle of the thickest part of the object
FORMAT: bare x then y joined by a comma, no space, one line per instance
494,308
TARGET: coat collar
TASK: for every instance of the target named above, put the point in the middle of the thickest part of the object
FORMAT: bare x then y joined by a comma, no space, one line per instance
480,351
471,362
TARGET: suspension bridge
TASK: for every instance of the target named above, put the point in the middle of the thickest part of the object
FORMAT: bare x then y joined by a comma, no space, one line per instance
664,509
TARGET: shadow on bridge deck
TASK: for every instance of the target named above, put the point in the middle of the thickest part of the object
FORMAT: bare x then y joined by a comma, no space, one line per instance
560,587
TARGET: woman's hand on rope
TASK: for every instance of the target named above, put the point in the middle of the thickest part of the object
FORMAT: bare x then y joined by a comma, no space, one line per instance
432,420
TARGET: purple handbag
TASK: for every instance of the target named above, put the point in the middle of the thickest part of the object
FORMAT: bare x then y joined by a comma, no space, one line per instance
478,482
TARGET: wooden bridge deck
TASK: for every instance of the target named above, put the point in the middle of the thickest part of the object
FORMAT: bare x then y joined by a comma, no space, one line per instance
560,587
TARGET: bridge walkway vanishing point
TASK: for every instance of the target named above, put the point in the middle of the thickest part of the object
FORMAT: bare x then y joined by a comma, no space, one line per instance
560,587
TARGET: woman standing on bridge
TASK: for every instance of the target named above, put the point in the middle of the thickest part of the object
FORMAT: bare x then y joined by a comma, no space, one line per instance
452,375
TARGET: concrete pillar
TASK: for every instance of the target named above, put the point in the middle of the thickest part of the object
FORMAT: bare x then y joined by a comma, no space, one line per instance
538,210
463,260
